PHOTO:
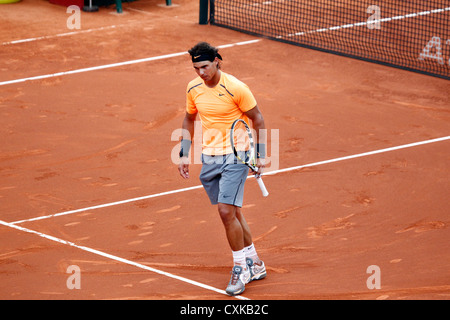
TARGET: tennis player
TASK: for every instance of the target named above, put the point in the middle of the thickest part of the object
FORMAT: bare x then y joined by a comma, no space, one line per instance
219,99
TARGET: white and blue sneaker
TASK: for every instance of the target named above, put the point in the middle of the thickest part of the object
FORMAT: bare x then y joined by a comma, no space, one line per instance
258,272
239,278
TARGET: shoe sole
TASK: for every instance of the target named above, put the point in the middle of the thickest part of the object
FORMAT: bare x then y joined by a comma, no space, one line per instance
259,276
235,293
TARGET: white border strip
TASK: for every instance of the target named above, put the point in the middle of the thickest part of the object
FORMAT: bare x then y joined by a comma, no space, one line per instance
116,258
118,64
359,155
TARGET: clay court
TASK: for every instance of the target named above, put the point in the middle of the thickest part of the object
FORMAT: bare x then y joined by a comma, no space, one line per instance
361,176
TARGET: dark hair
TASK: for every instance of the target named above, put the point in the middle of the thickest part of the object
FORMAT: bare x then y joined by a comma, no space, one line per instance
204,51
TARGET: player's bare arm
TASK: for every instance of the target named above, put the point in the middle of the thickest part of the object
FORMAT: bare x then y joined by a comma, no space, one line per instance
188,133
257,118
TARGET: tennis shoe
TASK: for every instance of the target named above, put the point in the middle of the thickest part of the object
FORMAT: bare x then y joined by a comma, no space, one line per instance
258,272
239,278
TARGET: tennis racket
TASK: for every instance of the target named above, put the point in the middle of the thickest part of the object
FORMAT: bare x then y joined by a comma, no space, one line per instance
243,147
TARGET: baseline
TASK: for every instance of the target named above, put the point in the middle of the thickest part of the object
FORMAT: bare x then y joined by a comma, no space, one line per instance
118,64
59,35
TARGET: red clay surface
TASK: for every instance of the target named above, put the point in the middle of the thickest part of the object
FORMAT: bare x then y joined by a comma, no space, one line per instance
93,138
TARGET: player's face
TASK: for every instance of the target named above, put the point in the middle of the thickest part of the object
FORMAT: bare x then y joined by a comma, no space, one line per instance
206,70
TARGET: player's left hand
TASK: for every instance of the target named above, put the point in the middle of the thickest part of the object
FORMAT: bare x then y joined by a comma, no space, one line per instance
260,164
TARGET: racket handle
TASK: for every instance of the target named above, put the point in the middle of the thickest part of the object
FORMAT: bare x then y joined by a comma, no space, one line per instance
262,186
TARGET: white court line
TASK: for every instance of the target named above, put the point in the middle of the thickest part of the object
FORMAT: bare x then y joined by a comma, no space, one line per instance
108,204
359,155
364,23
192,282
116,258
118,64
59,35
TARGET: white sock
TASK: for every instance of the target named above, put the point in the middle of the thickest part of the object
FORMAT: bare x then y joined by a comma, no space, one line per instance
239,258
250,252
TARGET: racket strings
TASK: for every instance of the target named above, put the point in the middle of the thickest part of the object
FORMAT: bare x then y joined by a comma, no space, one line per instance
243,143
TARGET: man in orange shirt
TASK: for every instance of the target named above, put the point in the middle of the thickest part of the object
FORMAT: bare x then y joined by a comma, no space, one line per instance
219,99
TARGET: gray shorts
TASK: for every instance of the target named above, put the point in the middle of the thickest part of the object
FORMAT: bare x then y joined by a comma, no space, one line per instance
223,178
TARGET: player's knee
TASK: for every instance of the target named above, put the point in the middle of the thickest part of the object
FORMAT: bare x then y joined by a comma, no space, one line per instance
227,213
